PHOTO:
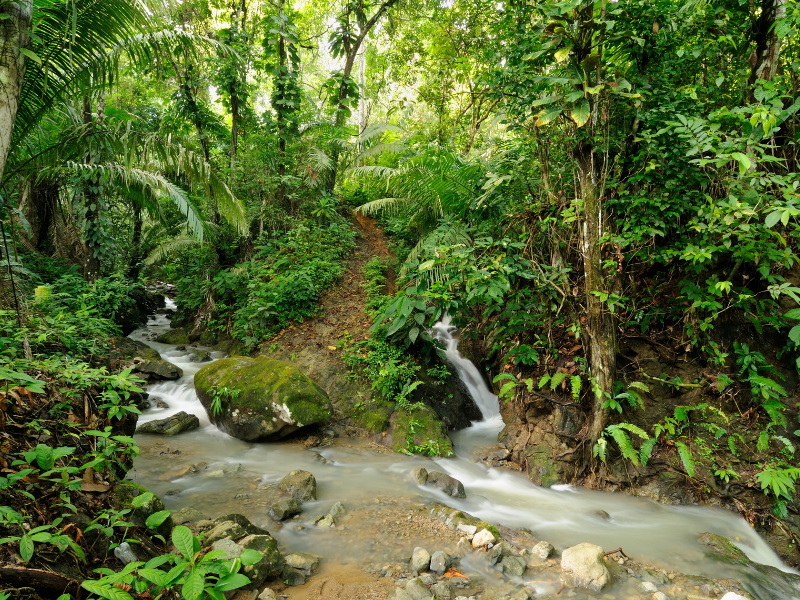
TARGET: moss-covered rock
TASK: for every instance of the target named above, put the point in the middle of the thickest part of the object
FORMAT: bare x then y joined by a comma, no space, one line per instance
261,399
176,336
419,431
126,491
373,416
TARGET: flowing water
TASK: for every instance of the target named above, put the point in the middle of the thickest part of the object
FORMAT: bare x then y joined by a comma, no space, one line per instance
376,487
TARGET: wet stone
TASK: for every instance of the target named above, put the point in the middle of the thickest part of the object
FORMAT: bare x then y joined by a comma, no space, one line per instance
449,485
301,485
226,529
188,515
468,529
337,509
267,594
292,576
420,560
284,508
427,578
326,522
440,561
513,566
500,551
229,547
648,586
417,590
482,538
307,563
420,475
442,590
542,550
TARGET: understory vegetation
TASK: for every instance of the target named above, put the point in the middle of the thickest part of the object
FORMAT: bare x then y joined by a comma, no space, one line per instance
603,197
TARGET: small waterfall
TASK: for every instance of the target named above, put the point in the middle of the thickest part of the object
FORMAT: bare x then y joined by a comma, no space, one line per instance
467,372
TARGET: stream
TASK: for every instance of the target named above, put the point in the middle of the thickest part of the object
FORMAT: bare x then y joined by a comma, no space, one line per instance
364,478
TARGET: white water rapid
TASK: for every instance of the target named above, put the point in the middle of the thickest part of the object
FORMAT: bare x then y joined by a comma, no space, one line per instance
351,472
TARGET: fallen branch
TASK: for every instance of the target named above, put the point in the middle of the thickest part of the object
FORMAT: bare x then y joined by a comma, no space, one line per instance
52,583
615,551
669,382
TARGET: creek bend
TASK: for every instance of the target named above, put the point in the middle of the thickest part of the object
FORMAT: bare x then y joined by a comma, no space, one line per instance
377,489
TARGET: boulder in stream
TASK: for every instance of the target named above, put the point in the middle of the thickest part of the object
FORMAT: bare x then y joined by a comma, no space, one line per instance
542,550
300,485
176,337
285,508
262,399
307,563
272,562
440,562
583,566
420,560
173,425
449,485
420,475
158,369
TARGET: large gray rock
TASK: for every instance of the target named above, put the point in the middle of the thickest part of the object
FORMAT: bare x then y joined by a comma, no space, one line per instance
449,485
440,562
188,516
442,590
513,566
307,563
420,560
583,566
175,424
158,369
264,399
272,562
417,590
300,485
284,508
226,529
420,475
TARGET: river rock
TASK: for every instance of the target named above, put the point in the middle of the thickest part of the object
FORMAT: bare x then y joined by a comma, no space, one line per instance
226,529
417,590
401,594
663,596
440,561
284,508
271,563
449,485
420,560
420,475
648,587
158,369
229,547
442,590
468,529
292,576
513,566
582,566
267,594
337,509
243,522
427,579
187,515
543,550
223,472
483,538
271,398
307,563
200,356
177,423
327,522
174,337
124,493
301,485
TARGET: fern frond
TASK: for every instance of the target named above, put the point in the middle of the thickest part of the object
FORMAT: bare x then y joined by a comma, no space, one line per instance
647,449
686,458
624,443
169,248
576,381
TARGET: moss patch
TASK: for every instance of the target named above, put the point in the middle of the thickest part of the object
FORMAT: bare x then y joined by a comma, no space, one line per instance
174,336
420,432
374,417
260,397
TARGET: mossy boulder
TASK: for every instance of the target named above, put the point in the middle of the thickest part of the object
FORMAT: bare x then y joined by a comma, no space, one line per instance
176,336
126,491
261,399
419,431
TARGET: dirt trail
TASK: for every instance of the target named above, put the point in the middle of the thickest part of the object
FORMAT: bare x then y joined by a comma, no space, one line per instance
343,305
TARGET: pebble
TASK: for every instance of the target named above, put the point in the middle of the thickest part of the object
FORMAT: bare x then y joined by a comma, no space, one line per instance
543,550
482,538
648,586
663,596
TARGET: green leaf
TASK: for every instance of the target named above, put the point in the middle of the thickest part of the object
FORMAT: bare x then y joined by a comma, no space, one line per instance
562,53
250,557
794,334
744,162
231,582
30,54
773,218
26,548
184,541
412,335
193,586
105,590
155,576
142,499
157,518
580,113
686,458
647,449
547,115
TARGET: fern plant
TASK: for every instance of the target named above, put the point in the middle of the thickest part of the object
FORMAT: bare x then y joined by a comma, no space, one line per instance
619,434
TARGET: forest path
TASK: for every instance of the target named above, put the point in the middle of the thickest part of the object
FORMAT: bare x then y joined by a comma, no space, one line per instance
342,307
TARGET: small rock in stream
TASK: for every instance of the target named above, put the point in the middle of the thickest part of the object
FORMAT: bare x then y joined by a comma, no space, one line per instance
468,529
417,590
449,485
542,550
420,475
301,485
442,590
188,515
582,566
267,594
440,561
173,425
327,522
420,560
292,576
483,538
307,563
284,508
513,566
337,509
648,586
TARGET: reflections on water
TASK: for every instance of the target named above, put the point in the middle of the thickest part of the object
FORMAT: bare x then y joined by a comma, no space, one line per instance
351,472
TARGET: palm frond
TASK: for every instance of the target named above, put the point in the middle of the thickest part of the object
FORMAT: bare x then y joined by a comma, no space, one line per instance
169,248
392,206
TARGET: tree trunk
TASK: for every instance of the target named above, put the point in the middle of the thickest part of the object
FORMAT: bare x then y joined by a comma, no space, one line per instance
768,44
234,125
600,327
362,86
282,121
91,203
135,264
13,37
